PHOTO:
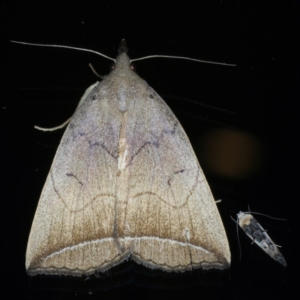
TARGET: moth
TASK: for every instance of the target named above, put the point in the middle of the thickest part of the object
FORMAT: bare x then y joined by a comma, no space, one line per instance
259,236
125,183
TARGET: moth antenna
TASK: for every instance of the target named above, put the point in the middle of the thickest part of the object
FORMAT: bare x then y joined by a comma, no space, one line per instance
66,47
256,213
136,59
185,58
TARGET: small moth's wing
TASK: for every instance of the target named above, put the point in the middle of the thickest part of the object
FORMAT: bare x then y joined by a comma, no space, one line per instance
125,182
256,233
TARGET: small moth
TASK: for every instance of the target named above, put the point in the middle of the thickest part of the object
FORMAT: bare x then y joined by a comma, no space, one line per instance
125,183
259,236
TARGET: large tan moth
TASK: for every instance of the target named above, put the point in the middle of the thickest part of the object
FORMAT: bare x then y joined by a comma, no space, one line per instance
125,183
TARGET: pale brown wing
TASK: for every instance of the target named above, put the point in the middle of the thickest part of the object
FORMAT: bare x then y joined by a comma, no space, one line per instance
72,231
125,182
167,215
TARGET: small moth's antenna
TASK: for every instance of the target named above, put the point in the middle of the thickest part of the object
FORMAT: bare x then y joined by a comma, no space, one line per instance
256,213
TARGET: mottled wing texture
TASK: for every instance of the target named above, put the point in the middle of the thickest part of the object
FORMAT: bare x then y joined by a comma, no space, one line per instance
125,183
259,236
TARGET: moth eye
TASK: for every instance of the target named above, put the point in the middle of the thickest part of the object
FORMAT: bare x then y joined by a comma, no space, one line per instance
133,67
112,66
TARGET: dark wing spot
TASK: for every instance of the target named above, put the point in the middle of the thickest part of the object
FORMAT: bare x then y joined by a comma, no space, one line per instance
74,176
181,171
172,132
94,97
177,172
92,144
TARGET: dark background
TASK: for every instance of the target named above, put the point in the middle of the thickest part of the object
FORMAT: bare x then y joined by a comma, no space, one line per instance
241,122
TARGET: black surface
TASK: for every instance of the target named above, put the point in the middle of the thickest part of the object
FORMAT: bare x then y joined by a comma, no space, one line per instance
43,86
